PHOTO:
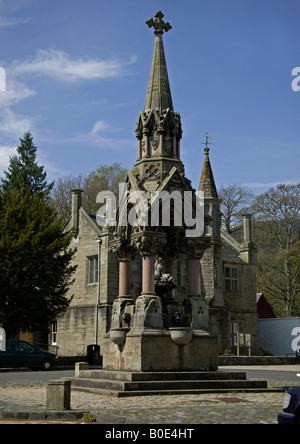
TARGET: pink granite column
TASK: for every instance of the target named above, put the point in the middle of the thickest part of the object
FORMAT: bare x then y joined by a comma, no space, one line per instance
194,277
124,277
148,284
146,141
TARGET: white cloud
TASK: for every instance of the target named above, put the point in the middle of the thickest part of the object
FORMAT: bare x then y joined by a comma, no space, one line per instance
15,92
8,9
14,125
59,65
264,186
100,137
5,153
99,126
7,21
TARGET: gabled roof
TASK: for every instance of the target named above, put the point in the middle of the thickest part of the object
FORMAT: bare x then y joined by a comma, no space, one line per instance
91,220
230,248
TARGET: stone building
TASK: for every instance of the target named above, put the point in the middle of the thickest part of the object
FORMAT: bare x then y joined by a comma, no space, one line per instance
213,284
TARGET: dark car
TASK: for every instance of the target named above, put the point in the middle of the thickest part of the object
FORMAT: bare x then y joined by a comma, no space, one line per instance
22,354
291,407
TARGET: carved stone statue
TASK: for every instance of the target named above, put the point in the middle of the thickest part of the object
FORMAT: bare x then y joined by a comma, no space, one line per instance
160,274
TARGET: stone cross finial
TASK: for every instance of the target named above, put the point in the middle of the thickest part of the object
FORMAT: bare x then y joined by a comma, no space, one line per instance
158,24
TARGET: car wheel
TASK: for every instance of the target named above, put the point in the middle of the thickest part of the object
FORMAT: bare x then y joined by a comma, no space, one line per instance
47,364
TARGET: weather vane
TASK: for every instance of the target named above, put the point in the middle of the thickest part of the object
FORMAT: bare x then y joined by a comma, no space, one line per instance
206,143
158,24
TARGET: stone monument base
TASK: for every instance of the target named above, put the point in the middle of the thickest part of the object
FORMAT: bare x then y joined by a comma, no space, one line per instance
175,349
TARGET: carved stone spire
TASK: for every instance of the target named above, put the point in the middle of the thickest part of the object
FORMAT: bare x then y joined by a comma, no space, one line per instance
159,127
207,181
159,93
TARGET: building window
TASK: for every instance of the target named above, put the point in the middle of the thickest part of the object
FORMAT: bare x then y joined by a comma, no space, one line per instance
235,328
231,279
53,333
93,270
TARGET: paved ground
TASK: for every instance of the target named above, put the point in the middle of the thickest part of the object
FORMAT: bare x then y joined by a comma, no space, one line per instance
231,408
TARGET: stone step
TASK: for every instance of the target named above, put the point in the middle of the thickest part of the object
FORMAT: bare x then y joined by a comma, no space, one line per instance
106,375
192,392
121,383
166,386
189,385
161,376
102,384
187,376
123,394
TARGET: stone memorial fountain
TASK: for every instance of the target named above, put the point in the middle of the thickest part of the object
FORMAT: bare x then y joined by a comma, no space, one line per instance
156,332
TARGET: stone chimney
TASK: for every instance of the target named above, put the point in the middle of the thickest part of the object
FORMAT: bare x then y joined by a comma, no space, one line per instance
248,250
76,205
247,229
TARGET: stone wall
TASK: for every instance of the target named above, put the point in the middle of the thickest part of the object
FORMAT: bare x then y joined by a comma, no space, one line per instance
228,307
76,329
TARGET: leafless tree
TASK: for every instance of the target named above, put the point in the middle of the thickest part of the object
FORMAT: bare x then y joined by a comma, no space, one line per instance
236,199
61,194
106,177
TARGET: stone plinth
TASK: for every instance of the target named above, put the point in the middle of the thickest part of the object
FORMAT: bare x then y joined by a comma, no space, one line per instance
80,366
58,395
154,350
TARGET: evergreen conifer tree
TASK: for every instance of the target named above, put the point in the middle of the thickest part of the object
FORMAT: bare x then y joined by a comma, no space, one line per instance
24,172
35,256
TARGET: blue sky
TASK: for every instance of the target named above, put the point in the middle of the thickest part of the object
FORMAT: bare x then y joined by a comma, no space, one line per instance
77,74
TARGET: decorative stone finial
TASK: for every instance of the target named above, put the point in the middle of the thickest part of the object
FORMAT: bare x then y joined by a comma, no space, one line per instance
158,24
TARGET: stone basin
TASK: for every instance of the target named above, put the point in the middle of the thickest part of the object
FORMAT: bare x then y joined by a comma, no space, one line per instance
181,335
118,335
